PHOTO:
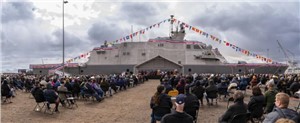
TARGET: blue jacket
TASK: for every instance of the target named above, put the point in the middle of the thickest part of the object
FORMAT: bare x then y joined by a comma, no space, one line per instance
272,117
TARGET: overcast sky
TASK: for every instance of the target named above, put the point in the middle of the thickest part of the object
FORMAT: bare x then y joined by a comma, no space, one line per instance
31,30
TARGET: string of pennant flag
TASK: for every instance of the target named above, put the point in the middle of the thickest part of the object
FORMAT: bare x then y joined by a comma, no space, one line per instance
226,43
84,55
120,40
188,26
142,31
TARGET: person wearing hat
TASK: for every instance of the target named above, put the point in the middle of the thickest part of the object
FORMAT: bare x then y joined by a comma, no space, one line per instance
179,116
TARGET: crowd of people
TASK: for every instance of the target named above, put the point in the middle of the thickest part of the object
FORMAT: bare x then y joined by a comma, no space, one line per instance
184,93
56,90
267,107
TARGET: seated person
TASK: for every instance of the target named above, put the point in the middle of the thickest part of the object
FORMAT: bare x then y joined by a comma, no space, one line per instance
5,90
211,91
222,88
270,97
51,96
282,111
179,116
38,93
160,104
105,87
239,107
62,90
89,90
256,103
191,103
199,90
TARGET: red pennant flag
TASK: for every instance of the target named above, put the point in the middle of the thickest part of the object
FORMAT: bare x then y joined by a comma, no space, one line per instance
193,28
186,25
130,35
197,30
227,44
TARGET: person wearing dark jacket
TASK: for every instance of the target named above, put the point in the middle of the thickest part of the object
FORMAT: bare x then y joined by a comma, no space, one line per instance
160,104
211,92
191,103
256,103
239,107
5,90
294,87
179,116
199,90
38,93
51,97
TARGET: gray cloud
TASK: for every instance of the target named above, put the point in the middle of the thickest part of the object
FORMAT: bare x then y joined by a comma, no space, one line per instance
101,31
260,25
141,13
26,41
16,11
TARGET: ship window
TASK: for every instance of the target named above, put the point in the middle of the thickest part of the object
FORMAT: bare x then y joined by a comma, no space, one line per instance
116,55
128,53
197,47
100,52
179,62
124,53
160,45
188,46
143,54
125,44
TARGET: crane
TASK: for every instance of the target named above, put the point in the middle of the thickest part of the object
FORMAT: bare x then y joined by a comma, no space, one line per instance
292,64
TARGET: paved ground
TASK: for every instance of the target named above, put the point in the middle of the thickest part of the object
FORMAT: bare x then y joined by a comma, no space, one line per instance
130,106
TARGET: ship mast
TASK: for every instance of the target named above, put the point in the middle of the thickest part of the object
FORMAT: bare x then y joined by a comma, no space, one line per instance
171,26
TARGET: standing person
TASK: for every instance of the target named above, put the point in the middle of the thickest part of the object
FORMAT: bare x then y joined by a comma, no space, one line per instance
270,97
282,110
179,116
160,104
239,107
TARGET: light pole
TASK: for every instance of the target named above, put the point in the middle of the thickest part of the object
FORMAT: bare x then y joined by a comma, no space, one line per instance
63,32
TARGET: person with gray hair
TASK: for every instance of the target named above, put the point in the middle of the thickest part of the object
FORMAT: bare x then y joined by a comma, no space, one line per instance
270,97
239,107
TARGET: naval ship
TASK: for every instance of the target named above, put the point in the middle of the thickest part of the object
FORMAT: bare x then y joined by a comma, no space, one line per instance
162,54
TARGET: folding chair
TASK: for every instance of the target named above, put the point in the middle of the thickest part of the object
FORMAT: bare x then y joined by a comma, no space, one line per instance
5,99
240,118
71,101
38,107
49,110
196,117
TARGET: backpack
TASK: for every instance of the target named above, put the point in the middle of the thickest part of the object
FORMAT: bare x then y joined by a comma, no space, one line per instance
295,118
